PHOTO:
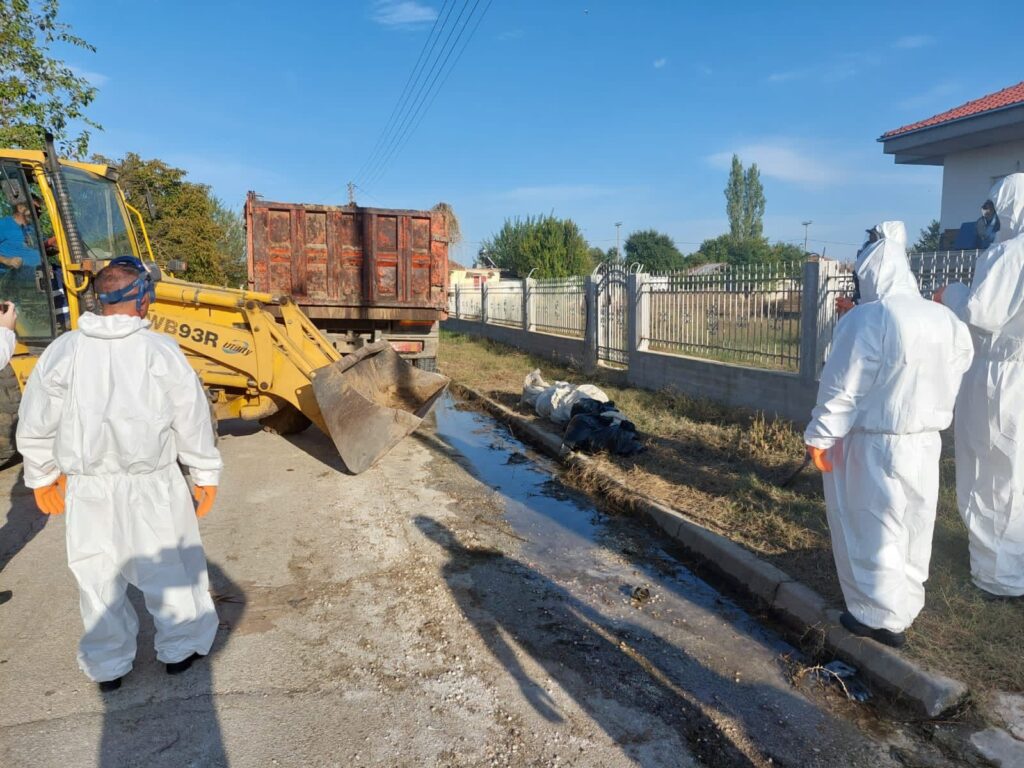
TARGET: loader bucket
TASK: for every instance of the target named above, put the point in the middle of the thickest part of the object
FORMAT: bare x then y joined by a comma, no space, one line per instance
372,399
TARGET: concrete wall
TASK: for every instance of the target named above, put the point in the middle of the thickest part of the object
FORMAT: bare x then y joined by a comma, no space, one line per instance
968,176
785,395
557,348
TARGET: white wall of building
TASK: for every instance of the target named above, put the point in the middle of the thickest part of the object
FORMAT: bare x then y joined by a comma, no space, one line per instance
968,176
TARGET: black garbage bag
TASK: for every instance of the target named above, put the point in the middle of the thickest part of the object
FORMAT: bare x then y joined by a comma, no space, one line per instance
588,405
591,434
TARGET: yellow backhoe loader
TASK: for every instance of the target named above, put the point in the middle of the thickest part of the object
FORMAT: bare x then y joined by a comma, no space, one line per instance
259,357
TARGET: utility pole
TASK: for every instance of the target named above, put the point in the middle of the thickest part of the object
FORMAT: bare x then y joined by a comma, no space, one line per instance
618,251
351,193
807,225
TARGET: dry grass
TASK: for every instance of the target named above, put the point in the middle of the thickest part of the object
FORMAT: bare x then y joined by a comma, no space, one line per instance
723,468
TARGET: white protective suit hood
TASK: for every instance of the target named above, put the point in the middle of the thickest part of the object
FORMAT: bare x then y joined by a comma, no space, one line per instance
110,326
1008,197
882,268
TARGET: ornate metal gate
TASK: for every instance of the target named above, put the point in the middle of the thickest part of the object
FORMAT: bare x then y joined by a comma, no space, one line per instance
612,314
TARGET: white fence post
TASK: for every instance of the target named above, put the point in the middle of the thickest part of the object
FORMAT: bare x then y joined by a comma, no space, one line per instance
528,283
638,313
590,331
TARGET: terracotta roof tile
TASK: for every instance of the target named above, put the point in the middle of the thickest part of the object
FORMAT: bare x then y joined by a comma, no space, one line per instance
998,100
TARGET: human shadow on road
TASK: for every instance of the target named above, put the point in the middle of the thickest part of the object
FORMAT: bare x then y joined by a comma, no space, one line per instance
157,720
604,665
23,522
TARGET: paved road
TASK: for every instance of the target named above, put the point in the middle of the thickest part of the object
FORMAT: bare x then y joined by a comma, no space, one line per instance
450,607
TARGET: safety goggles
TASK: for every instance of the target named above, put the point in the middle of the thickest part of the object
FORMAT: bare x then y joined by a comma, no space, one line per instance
138,289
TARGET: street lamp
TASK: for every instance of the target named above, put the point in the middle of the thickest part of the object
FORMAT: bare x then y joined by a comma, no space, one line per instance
618,251
807,225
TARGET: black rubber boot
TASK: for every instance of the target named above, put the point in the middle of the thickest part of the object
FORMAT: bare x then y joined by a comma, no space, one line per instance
177,667
883,636
110,685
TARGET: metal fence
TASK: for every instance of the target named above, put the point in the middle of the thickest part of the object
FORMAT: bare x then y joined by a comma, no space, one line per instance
938,268
470,303
743,314
505,303
560,306
746,315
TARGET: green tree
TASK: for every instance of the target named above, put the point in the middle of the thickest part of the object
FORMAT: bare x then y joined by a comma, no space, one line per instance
726,249
185,221
37,91
734,205
655,250
553,247
231,245
744,201
753,203
930,239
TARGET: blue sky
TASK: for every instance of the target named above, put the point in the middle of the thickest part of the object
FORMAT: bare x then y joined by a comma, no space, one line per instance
599,111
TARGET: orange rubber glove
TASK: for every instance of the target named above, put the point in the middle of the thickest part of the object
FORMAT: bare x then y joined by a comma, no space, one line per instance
204,496
937,296
50,499
820,458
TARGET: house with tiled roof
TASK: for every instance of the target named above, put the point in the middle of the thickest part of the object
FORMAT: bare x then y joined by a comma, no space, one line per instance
976,144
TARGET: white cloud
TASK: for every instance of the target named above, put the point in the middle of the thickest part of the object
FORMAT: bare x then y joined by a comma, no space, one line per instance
785,77
818,164
402,13
705,70
782,160
512,34
555,193
909,42
937,96
96,79
659,63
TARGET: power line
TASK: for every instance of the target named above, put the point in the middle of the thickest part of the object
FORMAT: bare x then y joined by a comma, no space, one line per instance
429,95
411,80
416,94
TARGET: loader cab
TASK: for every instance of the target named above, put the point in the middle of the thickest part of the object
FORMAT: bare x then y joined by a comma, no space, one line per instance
25,273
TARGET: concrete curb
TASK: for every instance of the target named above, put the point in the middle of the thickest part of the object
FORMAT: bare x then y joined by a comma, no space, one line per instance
800,608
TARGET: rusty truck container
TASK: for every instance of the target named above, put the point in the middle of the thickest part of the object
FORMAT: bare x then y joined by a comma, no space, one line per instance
360,274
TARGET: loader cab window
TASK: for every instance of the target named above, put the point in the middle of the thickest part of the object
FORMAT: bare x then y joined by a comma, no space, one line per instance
24,277
99,215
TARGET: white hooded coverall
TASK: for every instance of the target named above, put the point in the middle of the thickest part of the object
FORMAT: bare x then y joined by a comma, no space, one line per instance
990,411
7,342
114,406
886,391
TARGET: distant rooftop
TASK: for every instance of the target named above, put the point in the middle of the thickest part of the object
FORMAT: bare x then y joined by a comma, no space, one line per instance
1008,97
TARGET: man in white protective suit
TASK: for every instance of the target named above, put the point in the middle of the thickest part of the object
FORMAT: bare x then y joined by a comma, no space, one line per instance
8,320
108,412
990,410
887,390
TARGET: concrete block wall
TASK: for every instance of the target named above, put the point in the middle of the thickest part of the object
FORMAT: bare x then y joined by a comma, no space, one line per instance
777,394
784,395
557,348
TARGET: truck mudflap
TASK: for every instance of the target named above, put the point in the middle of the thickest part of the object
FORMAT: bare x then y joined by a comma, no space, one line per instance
371,400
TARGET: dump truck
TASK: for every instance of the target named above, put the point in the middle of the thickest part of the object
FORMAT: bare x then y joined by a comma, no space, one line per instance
362,275
259,357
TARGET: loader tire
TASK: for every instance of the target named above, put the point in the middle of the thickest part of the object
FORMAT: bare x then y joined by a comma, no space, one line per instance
428,364
10,399
287,421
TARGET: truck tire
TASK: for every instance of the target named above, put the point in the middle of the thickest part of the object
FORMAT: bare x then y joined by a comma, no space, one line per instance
287,421
428,364
10,399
